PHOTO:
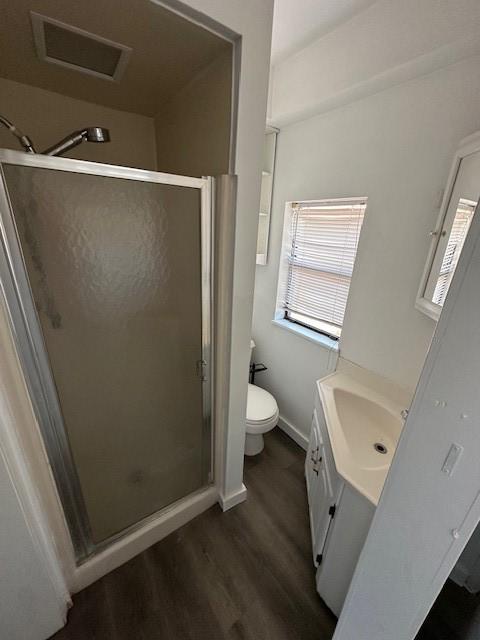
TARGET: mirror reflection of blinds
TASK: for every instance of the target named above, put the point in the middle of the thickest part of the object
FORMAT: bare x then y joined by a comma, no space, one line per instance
325,238
458,234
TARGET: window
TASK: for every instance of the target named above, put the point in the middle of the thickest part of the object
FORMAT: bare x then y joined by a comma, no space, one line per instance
461,224
321,246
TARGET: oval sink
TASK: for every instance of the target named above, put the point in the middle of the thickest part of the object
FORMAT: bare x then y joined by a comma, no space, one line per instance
363,419
370,430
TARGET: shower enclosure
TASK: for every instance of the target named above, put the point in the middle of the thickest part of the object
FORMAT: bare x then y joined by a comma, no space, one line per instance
106,272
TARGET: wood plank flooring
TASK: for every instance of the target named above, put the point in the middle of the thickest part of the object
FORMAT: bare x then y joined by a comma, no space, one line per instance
246,574
455,615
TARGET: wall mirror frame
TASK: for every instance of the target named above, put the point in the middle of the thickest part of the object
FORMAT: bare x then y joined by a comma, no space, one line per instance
266,194
452,205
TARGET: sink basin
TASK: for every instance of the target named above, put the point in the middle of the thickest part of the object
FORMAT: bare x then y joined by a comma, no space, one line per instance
364,426
370,431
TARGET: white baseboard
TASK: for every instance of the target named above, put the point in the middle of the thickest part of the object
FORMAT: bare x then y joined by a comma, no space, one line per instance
234,498
294,433
151,532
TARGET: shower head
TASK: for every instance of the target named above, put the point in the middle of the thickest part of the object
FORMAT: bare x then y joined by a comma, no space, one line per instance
90,134
97,134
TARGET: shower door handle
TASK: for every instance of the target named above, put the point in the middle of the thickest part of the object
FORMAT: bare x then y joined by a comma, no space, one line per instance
201,366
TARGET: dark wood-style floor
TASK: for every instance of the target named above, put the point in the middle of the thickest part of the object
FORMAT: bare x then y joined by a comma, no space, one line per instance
246,574
454,616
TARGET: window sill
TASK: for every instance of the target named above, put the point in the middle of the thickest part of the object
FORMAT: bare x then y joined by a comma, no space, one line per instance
308,334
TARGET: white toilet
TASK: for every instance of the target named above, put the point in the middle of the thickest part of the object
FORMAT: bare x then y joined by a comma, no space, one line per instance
262,416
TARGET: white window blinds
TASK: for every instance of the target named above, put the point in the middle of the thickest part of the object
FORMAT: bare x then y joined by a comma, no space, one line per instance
456,239
324,239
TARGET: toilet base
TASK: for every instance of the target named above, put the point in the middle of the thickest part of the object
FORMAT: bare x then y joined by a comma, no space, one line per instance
254,444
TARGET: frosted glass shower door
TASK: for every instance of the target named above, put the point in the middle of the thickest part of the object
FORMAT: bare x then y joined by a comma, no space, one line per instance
118,282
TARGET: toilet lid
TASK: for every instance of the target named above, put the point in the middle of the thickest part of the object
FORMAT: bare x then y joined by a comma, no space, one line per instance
261,405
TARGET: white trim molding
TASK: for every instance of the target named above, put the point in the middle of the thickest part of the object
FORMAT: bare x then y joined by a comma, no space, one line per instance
296,93
14,416
232,499
293,432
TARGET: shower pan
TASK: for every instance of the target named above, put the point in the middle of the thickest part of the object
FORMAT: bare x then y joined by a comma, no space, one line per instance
107,276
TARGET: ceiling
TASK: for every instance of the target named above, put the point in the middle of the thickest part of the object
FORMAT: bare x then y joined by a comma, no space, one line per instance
298,22
168,51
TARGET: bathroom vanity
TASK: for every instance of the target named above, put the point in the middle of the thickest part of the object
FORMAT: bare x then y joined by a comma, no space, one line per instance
356,423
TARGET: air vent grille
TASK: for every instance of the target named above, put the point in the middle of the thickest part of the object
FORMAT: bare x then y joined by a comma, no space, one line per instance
77,49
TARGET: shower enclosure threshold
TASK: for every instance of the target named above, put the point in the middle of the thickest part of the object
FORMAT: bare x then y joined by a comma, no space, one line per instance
143,535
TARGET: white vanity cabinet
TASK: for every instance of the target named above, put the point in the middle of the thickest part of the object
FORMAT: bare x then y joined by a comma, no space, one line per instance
323,486
346,537
339,517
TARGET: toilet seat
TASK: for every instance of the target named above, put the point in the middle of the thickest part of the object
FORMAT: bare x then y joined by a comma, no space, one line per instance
262,410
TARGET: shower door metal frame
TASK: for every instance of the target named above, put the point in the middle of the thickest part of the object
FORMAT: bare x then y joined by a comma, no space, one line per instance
30,345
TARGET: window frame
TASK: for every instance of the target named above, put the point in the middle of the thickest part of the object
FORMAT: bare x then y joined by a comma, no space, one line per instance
282,315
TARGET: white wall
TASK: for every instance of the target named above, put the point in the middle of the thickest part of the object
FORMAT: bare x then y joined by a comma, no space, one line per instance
425,516
251,21
389,42
47,117
193,127
29,606
33,595
394,147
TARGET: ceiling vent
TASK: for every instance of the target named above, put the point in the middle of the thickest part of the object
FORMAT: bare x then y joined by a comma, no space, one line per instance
77,49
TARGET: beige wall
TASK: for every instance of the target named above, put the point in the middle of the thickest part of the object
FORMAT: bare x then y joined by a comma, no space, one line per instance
47,117
193,127
252,20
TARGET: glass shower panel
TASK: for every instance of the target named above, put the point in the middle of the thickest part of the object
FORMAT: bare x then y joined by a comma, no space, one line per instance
114,267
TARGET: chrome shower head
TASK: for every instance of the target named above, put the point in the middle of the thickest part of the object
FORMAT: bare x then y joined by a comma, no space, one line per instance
89,134
97,134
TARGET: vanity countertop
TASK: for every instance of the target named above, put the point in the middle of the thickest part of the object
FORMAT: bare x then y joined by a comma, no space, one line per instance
363,413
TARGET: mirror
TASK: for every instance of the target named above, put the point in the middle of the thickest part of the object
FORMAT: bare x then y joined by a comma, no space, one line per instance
266,194
456,214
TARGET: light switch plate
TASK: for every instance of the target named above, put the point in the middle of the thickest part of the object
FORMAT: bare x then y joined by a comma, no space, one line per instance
452,459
